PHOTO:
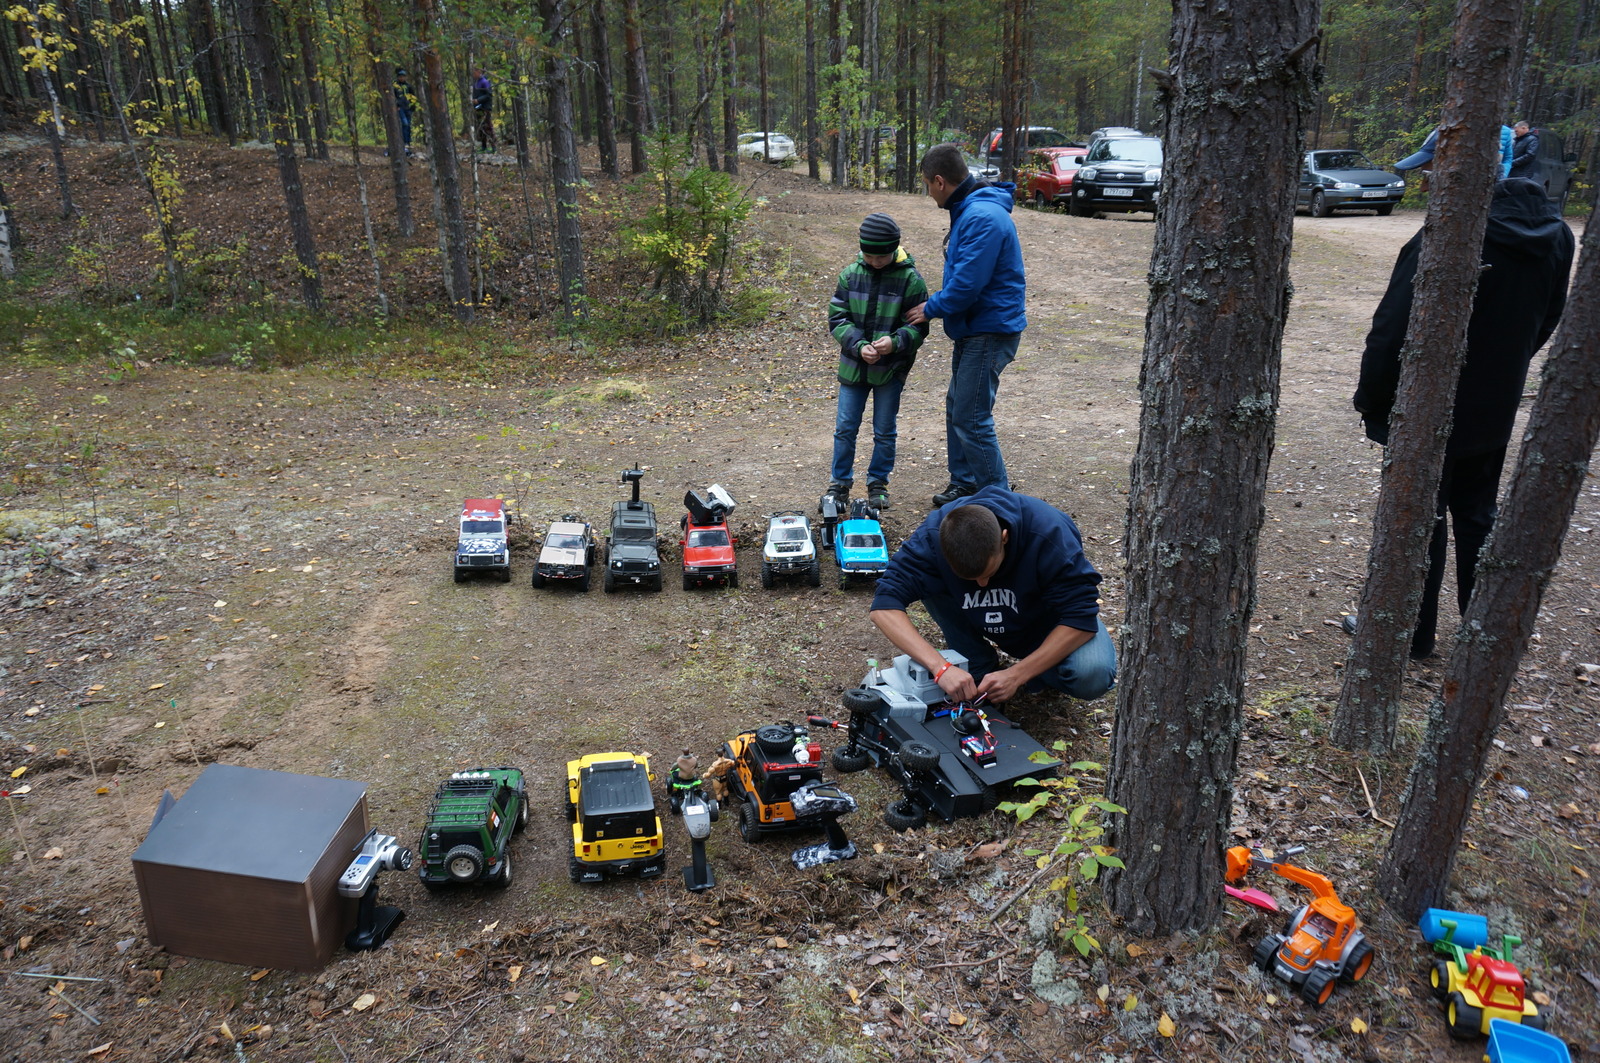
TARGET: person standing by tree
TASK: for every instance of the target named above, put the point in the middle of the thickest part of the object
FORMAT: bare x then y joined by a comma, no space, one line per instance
1525,153
982,306
1522,290
404,104
483,109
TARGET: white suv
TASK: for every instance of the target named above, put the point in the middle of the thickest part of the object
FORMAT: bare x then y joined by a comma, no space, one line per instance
789,550
766,147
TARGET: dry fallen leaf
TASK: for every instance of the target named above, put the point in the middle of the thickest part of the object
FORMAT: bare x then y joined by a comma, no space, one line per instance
778,943
54,853
1541,999
514,972
597,961
1165,1026
99,1050
853,993
1104,993
363,1002
260,974
1135,951
988,850
570,997
957,1019
491,926
24,942
225,1031
19,772
1357,1026
1130,1002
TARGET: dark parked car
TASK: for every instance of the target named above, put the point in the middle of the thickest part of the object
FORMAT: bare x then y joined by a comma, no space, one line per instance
1119,175
1340,180
1049,176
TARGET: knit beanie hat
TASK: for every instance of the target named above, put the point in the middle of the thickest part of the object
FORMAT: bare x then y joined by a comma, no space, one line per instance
879,234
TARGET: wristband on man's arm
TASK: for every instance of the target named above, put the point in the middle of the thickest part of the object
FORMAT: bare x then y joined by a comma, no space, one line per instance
942,670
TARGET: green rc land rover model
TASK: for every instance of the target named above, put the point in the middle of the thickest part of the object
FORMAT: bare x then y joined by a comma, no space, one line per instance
473,816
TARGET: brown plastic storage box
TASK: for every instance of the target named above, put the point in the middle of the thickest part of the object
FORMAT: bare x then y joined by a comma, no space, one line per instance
245,867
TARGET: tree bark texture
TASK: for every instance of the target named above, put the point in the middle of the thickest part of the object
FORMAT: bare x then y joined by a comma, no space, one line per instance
813,146
730,110
398,175
446,170
563,157
605,104
1513,571
269,71
641,121
1465,169
8,238
1241,82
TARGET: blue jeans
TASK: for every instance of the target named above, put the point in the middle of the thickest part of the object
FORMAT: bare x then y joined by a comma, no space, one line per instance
885,412
405,126
971,444
1088,672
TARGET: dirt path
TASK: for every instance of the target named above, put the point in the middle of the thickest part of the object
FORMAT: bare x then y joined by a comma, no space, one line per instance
274,558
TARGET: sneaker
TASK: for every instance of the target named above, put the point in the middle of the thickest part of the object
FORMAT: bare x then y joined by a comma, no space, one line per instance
953,492
840,494
878,494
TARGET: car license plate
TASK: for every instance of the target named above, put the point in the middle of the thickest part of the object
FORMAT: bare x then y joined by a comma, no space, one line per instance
1376,193
1118,192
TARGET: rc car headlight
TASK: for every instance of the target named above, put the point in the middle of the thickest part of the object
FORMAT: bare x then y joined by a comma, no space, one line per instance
1088,173
1153,174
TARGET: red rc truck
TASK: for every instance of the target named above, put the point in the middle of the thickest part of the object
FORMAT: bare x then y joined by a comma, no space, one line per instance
707,540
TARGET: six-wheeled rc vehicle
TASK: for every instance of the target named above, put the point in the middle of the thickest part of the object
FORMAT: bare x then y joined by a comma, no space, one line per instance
566,554
473,816
615,829
631,554
900,720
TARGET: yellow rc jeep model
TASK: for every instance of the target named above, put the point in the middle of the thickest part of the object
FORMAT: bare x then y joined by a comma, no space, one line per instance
615,829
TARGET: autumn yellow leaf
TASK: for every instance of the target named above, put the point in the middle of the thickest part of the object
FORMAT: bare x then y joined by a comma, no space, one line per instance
1104,993
957,1019
1357,1026
514,972
854,994
226,1031
1135,951
19,772
363,1002
1165,1026
260,974
1130,1002
597,961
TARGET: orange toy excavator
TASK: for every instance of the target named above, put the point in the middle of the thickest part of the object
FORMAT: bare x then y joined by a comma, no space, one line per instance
1322,941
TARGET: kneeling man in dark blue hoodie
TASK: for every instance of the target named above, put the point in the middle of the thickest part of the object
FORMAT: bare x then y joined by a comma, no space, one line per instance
999,569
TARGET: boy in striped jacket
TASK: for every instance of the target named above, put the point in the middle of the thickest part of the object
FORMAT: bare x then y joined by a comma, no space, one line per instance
876,352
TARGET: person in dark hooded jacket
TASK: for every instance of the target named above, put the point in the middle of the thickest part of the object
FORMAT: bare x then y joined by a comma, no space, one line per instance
1522,290
999,569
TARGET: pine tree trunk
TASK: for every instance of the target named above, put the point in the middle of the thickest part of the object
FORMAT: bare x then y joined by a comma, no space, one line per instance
668,65
1464,172
1513,572
44,88
316,93
1219,279
605,102
813,146
705,79
838,148
269,73
730,111
208,68
563,158
640,118
347,95
398,174
764,103
519,114
446,170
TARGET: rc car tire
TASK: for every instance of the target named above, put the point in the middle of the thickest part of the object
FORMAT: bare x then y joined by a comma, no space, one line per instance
713,809
903,815
733,581
538,578
1464,1021
1318,987
583,581
1266,953
766,575
567,802
844,580
775,738
1533,1022
1319,205
464,863
461,575
505,575
608,583
814,574
655,584
860,699
847,763
574,869
688,582
991,799
522,811
750,822
1439,979
502,877
1357,966
918,756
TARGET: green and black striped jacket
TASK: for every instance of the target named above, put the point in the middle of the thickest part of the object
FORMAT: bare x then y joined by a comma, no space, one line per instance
869,303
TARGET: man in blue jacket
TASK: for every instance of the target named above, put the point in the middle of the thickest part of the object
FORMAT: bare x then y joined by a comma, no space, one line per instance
999,569
981,303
